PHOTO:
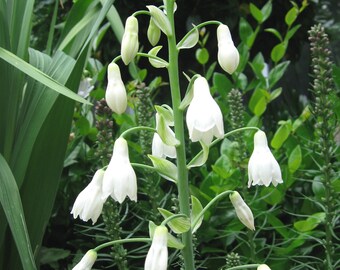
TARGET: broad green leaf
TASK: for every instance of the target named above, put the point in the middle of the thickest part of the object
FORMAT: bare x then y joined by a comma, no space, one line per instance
278,52
280,136
260,106
115,22
165,168
201,157
39,76
295,159
196,209
256,13
291,16
12,206
258,101
189,40
279,226
222,84
179,224
202,56
310,223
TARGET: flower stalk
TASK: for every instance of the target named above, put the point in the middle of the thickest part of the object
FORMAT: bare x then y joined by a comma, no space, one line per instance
182,185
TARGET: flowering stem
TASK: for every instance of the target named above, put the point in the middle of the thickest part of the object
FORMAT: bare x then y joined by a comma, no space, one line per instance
244,266
122,241
183,186
219,196
135,129
167,220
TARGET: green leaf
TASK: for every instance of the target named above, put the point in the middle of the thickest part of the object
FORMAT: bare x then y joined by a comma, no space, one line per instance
256,13
39,76
278,52
165,168
277,72
12,206
83,125
280,136
222,84
275,33
179,224
271,195
266,10
196,209
295,159
189,40
258,101
291,32
310,223
260,106
245,30
291,16
202,56
275,93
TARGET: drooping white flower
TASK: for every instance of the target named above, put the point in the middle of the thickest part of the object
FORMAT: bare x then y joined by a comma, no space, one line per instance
263,168
157,258
120,178
87,261
263,267
89,203
204,117
160,149
129,46
115,95
228,56
242,210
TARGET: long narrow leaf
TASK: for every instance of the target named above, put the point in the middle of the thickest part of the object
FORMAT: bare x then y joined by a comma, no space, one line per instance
39,76
11,203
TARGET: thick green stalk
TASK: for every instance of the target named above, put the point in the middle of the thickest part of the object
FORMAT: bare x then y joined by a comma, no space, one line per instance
182,185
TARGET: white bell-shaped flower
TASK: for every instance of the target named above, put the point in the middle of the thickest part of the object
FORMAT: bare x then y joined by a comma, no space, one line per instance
115,95
120,178
242,210
263,168
160,149
87,261
89,203
157,258
204,117
129,46
228,56
263,267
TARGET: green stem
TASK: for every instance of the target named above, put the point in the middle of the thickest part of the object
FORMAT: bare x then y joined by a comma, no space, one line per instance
183,185
146,55
143,166
122,241
219,196
135,129
244,266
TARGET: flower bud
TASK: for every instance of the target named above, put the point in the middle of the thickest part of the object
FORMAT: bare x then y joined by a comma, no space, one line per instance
154,33
115,95
129,47
243,211
87,261
263,267
228,56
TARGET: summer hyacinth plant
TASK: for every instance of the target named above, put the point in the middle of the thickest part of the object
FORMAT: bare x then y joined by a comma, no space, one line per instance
204,121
